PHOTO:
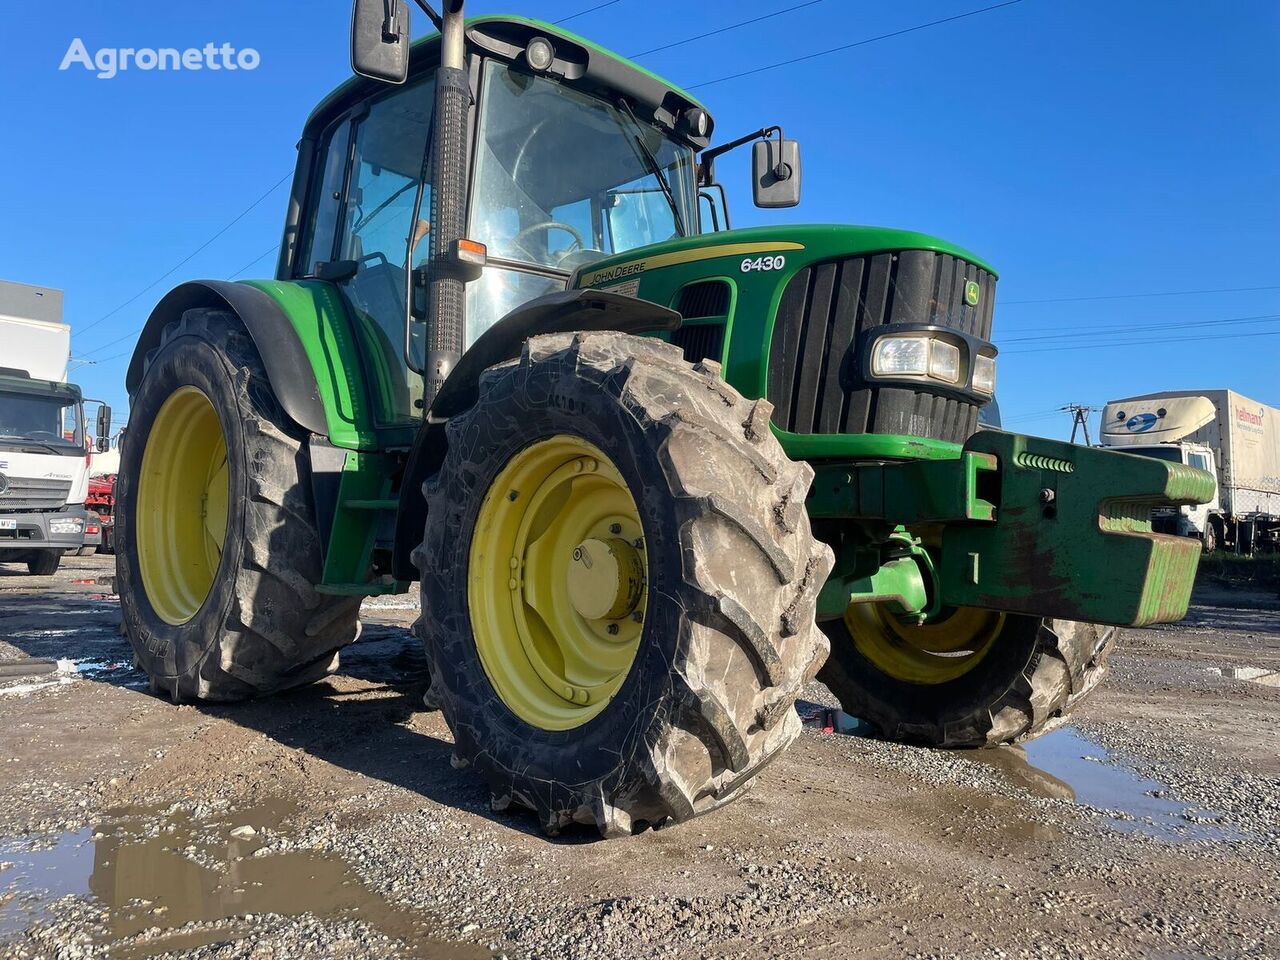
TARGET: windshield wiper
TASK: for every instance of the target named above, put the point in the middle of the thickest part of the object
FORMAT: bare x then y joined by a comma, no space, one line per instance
654,167
27,442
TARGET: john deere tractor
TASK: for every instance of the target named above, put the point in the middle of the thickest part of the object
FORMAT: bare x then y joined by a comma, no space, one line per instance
648,470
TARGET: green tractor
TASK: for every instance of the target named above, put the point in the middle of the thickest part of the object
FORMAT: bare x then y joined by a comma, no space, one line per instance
648,470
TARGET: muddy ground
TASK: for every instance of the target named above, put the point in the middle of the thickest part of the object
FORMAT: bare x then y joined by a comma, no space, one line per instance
330,823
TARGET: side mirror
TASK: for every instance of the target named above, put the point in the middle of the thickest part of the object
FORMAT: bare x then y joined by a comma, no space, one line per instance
104,428
380,39
775,173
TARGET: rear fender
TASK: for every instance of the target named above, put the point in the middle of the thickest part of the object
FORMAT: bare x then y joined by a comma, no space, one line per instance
282,352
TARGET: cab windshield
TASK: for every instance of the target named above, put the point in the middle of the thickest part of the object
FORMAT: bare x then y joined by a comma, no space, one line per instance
51,423
562,180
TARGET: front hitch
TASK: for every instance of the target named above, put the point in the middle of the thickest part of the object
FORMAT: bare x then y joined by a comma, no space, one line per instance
1030,526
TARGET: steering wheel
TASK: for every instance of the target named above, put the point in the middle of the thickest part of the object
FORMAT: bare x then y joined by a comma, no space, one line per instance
578,242
48,433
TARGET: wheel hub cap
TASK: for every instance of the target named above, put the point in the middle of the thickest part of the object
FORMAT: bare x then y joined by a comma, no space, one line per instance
605,578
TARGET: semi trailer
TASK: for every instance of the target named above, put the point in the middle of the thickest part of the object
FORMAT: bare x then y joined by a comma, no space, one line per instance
1219,431
651,474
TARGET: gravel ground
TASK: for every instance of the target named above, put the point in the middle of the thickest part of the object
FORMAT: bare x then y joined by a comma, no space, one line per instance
330,823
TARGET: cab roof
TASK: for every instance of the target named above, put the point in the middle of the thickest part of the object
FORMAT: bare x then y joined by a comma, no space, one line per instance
579,63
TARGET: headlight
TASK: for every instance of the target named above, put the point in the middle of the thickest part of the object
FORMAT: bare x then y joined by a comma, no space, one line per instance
944,361
984,374
66,525
540,54
916,355
901,356
939,359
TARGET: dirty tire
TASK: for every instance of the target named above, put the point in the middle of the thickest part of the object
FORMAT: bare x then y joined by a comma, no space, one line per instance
1035,674
45,563
729,637
263,626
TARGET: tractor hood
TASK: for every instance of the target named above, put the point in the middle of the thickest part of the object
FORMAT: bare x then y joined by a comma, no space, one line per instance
797,245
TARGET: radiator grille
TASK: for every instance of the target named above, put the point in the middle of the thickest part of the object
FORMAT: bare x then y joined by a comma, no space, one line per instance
708,298
815,382
700,341
27,493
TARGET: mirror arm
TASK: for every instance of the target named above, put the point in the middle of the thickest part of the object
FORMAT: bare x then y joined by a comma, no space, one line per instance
707,162
430,11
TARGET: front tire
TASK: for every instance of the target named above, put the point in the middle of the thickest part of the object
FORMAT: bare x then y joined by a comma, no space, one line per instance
219,549
1024,678
45,563
611,436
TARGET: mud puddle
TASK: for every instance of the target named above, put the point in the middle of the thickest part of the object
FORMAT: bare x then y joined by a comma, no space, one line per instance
1065,764
1266,676
153,872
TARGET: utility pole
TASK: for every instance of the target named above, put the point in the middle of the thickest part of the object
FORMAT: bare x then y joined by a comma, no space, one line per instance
1079,421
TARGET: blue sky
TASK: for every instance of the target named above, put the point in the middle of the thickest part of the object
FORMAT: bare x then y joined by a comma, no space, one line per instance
1087,149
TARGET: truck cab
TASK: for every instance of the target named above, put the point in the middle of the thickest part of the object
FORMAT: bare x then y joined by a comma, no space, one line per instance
44,441
44,470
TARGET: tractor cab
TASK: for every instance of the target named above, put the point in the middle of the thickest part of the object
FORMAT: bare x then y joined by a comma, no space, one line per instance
572,155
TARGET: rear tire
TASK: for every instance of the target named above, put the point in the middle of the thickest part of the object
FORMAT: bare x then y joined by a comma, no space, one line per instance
1034,674
45,563
727,637
262,626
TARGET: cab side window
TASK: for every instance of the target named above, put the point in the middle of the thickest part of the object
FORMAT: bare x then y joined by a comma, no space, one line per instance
324,216
367,220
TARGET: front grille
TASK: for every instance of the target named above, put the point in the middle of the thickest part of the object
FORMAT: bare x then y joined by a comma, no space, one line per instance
815,381
28,493
706,298
700,341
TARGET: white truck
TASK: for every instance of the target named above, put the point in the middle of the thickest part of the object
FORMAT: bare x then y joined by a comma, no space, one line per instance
1231,436
44,452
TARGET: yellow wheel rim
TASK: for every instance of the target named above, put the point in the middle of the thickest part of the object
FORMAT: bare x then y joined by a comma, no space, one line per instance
182,505
935,652
557,582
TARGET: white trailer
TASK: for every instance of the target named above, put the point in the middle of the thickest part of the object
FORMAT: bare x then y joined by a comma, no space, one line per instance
44,451
1235,438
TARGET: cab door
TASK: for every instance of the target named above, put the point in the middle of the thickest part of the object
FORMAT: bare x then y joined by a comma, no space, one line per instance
368,229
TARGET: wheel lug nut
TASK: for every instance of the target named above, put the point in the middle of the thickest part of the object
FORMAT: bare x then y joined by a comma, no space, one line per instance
613,629
615,528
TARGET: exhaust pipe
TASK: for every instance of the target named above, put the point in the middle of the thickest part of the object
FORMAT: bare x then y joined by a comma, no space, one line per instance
447,293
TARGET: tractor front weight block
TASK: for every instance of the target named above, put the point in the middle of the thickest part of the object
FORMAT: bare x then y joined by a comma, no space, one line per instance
1035,526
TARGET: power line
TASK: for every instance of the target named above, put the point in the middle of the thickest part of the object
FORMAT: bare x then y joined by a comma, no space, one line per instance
251,263
1079,332
583,13
725,29
856,43
1137,296
133,333
1177,341
187,258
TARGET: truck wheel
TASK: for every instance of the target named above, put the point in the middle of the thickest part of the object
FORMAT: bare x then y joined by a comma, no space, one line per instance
219,552
978,678
618,585
1210,537
44,563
